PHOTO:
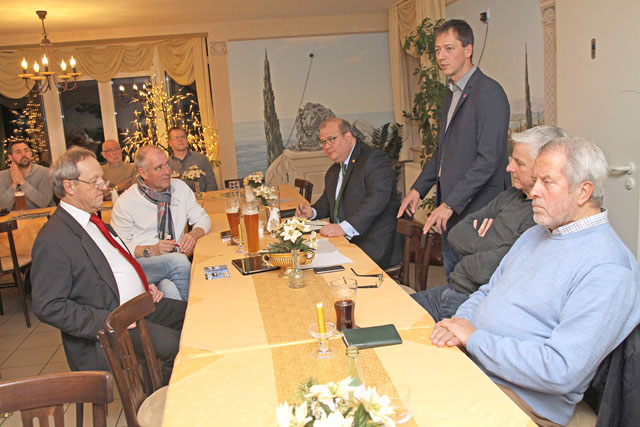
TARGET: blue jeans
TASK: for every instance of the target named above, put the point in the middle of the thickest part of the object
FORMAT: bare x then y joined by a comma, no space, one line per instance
174,266
449,255
441,302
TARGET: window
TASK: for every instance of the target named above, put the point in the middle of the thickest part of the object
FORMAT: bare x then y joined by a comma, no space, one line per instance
24,118
82,116
125,92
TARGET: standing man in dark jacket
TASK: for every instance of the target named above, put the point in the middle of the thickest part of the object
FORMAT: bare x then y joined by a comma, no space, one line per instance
469,164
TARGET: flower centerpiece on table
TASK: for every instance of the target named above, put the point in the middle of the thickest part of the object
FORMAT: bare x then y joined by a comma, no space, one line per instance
254,180
193,173
290,237
336,404
264,194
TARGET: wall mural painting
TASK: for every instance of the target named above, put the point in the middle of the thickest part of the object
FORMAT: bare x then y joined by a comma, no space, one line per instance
274,81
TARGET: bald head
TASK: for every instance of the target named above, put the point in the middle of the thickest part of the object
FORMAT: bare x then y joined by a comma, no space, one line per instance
112,152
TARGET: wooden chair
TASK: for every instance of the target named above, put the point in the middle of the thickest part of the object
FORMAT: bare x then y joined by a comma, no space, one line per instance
44,396
419,249
305,187
240,181
15,265
139,382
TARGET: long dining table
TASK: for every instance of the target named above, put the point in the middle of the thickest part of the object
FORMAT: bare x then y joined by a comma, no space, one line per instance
245,345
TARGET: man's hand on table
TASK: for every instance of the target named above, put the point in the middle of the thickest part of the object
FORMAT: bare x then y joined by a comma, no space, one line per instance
156,294
304,211
452,332
332,230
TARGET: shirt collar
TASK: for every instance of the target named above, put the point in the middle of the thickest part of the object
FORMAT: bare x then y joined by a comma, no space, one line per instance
82,217
582,224
460,84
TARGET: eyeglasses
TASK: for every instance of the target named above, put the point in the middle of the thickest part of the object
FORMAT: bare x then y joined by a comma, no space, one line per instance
177,138
379,276
331,140
115,150
104,184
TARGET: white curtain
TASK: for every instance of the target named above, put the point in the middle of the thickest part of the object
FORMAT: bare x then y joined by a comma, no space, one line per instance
404,17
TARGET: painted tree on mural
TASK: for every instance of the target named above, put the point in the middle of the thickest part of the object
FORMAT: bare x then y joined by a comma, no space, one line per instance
271,122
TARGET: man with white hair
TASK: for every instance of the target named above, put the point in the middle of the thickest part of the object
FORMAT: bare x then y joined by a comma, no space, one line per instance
151,217
483,237
564,296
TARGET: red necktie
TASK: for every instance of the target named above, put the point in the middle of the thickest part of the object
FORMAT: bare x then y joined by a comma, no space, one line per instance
103,229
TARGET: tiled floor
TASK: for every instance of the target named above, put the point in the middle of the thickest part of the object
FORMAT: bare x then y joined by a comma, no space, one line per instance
26,352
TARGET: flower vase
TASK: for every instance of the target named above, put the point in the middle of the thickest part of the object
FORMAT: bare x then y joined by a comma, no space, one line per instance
296,277
199,195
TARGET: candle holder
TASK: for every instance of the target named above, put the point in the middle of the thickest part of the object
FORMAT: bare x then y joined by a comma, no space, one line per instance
323,351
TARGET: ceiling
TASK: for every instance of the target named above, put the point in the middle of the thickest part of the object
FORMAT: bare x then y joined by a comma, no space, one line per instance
19,18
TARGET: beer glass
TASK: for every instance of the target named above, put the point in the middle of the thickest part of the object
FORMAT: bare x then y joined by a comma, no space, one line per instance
344,301
232,209
21,201
250,212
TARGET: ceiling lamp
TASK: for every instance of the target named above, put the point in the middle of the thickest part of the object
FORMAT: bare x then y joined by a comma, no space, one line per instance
43,76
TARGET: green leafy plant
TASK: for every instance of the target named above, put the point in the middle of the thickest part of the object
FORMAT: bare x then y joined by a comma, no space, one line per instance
390,143
427,103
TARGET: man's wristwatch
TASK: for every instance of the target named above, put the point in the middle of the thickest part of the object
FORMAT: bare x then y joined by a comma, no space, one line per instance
146,252
446,206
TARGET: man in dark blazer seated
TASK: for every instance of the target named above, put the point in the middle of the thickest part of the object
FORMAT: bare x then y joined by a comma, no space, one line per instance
469,166
360,195
79,276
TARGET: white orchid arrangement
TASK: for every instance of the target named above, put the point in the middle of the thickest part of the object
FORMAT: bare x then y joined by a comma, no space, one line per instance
336,404
254,180
264,194
193,173
290,235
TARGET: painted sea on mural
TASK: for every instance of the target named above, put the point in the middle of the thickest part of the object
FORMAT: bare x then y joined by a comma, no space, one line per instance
251,150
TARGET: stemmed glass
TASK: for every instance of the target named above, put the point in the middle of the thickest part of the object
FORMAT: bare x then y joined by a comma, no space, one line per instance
323,351
239,239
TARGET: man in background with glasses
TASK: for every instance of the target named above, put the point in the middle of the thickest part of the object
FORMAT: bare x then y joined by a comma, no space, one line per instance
120,174
182,158
33,180
359,196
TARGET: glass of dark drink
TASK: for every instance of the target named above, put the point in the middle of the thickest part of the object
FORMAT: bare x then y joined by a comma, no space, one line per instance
344,301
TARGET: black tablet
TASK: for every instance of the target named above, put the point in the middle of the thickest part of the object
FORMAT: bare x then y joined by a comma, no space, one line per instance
252,265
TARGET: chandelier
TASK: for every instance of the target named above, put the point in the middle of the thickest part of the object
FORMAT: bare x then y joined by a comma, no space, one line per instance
44,79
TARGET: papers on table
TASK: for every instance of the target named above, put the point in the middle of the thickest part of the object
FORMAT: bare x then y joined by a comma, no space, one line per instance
327,254
317,225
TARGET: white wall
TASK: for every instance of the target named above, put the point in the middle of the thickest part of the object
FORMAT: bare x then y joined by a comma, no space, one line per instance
599,99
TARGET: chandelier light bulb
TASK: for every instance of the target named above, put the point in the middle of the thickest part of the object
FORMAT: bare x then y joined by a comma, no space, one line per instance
134,87
45,61
63,66
72,62
121,88
24,64
36,67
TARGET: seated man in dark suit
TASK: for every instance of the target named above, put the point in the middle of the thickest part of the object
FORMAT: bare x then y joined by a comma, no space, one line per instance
79,276
360,195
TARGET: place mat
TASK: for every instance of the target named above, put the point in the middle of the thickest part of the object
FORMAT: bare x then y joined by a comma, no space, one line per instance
279,304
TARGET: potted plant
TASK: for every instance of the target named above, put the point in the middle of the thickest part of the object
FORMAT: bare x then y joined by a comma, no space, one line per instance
290,237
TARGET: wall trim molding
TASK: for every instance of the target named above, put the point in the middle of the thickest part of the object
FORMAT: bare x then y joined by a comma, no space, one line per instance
548,15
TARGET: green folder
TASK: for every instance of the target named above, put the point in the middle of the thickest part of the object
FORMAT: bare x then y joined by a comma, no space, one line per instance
374,336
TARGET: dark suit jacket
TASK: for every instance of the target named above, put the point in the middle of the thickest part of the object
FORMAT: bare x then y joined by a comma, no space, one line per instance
472,150
369,202
73,288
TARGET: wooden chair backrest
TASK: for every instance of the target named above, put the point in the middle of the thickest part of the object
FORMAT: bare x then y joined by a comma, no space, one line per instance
305,187
132,378
229,181
8,227
44,396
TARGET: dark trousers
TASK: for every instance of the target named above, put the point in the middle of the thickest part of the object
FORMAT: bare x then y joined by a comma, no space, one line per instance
165,326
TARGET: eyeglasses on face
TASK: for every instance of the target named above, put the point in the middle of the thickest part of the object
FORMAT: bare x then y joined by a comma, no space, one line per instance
97,184
113,150
331,140
178,137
